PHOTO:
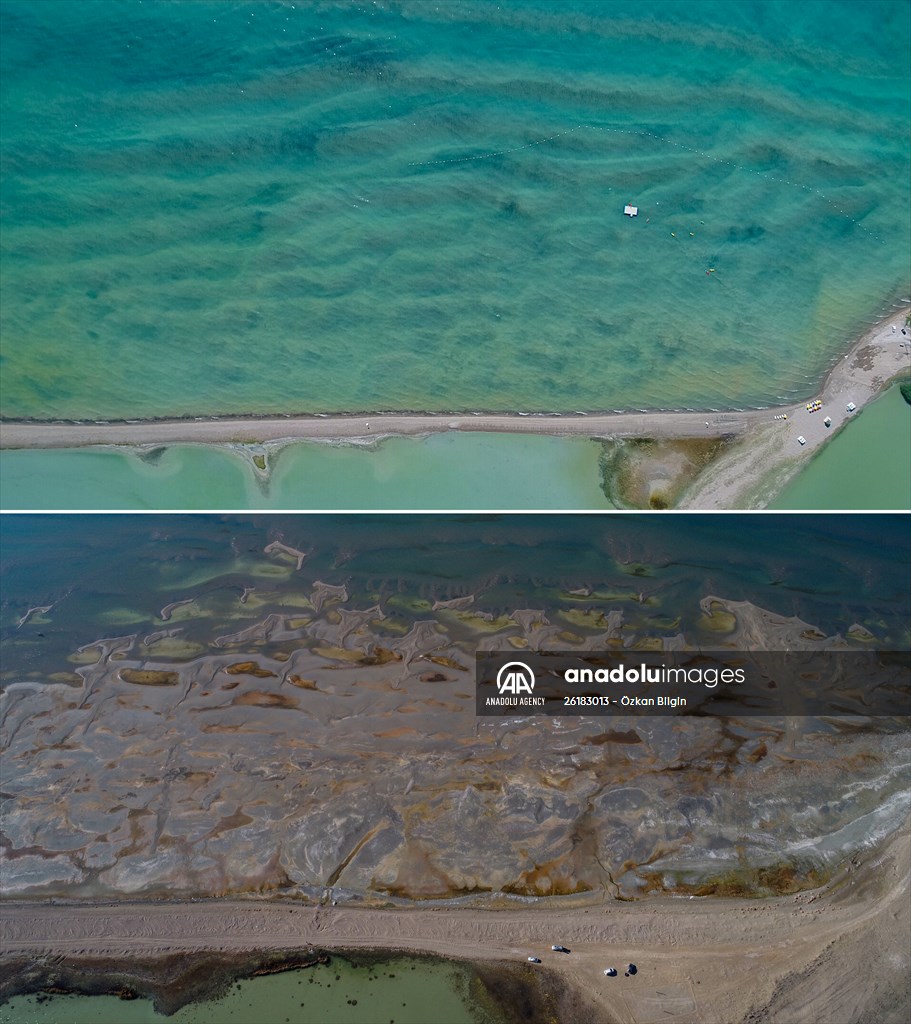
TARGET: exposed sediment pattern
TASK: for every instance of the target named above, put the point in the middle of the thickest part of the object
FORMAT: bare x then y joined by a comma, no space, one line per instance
310,744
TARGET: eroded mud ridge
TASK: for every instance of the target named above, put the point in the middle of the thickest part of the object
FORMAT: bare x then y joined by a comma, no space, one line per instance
247,739
169,981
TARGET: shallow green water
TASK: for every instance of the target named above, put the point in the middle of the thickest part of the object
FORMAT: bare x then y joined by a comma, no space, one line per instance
416,993
440,471
254,207
868,465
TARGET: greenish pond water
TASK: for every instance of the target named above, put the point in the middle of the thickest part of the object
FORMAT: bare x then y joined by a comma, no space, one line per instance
399,990
867,465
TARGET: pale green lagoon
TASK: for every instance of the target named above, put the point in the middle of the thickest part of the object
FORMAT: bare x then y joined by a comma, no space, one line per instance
449,470
867,465
403,991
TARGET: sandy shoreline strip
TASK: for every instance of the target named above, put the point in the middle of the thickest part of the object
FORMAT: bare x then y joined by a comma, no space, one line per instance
835,954
764,454
877,357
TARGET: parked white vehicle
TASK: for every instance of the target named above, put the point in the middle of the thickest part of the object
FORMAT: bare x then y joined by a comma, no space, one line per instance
534,960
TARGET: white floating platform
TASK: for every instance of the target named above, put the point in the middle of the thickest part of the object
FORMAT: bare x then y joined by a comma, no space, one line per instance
631,211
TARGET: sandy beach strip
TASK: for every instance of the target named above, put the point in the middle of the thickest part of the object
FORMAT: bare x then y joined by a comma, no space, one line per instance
837,954
879,356
15,434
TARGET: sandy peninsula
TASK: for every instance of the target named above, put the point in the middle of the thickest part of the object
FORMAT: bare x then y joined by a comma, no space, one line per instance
766,453
769,453
838,954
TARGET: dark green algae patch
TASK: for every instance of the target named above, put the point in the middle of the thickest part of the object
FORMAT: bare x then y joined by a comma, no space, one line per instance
497,992
654,473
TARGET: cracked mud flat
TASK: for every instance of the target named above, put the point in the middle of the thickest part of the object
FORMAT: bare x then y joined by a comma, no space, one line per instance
263,732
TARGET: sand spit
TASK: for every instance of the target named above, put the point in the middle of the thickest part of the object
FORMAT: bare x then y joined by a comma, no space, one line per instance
767,455
276,547
839,954
751,472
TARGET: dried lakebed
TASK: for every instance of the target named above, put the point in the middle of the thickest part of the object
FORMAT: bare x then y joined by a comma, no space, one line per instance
326,750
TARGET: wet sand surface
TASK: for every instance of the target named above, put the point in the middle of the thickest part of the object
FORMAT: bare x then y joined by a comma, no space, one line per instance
837,955
746,476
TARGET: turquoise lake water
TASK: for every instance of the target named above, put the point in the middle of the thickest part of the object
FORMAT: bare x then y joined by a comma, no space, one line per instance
458,471
868,465
254,207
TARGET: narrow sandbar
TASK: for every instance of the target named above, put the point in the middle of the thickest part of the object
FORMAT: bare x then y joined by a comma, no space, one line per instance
761,449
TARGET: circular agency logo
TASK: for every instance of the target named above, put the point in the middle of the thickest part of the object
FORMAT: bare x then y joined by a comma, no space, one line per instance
515,677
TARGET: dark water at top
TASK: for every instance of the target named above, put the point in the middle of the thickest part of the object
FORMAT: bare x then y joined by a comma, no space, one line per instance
107,574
